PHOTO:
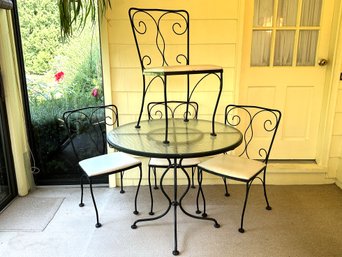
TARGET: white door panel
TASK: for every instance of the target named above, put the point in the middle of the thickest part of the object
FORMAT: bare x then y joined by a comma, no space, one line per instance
277,77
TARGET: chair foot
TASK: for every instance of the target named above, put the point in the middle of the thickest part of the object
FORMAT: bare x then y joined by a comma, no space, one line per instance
133,226
268,208
151,213
175,252
98,225
81,204
122,191
136,212
193,186
241,230
216,225
155,187
226,194
198,212
204,215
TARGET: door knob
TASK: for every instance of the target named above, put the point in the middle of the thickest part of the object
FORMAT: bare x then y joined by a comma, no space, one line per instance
322,62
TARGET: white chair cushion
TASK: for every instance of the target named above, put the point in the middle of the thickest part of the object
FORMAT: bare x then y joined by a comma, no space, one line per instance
107,163
233,166
162,162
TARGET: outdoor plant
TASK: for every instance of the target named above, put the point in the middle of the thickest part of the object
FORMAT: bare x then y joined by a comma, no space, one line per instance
60,74
74,14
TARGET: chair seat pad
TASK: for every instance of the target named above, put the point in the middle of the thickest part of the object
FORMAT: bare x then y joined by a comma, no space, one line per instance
233,166
108,163
162,162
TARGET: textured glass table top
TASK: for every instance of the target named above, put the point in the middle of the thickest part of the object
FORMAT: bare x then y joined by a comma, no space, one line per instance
187,139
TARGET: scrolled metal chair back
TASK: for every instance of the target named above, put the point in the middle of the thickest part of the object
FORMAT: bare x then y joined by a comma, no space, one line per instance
161,36
87,129
176,109
258,125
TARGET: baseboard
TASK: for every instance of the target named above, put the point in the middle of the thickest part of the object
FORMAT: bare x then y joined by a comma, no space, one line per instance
297,173
278,173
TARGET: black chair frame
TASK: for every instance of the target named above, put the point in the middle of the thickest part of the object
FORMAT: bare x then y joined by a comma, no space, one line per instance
233,117
90,123
167,25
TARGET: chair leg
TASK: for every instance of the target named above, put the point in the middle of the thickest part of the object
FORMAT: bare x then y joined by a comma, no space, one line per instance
155,177
136,194
225,186
199,171
248,185
81,183
200,190
268,207
121,183
192,177
98,224
150,188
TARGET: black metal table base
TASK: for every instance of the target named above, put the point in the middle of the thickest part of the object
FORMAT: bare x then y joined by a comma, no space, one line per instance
175,203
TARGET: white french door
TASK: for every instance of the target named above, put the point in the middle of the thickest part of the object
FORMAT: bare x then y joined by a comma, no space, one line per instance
284,65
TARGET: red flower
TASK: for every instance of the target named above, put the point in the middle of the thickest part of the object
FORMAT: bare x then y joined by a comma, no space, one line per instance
94,92
59,76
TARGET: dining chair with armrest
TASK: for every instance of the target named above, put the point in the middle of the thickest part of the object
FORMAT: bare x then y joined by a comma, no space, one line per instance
259,126
176,109
87,137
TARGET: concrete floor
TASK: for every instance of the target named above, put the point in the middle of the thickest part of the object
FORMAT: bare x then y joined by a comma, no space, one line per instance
305,221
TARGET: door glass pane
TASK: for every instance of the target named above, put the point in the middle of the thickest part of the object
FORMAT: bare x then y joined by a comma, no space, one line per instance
307,47
284,48
261,45
263,13
311,13
59,77
287,13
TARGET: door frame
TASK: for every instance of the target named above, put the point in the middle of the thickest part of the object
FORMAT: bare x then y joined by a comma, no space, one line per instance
331,88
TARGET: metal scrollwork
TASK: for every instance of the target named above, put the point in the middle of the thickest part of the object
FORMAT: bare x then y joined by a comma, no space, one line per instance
156,110
163,24
247,118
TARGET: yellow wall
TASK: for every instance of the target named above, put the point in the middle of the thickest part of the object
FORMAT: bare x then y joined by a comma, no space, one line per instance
335,153
213,40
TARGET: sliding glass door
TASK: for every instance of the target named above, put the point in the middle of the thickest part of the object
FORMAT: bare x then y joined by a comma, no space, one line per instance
7,179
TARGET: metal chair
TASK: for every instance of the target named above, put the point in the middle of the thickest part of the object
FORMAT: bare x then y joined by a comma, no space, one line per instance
176,109
87,136
259,126
162,41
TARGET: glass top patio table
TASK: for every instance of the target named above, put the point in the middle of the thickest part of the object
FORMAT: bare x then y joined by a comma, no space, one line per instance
187,139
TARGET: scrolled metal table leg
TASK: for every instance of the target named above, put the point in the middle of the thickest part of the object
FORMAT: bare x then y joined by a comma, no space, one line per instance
134,226
216,224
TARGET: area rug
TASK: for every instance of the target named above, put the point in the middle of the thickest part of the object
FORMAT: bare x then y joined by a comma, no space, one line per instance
29,213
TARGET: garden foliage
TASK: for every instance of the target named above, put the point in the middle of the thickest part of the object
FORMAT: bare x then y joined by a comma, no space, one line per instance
59,75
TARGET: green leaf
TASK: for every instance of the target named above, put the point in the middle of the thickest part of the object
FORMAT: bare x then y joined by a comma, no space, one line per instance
74,14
